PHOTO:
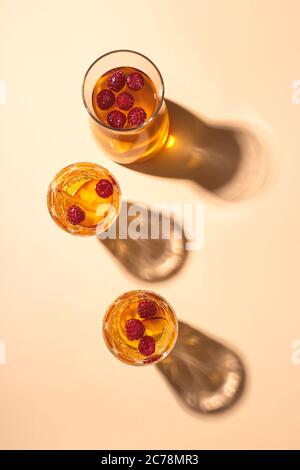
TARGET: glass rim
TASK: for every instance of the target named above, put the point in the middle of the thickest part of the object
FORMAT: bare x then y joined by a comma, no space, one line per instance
120,298
131,128
53,184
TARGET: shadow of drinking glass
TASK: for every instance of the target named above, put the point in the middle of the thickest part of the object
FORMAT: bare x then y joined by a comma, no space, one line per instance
228,161
205,375
148,258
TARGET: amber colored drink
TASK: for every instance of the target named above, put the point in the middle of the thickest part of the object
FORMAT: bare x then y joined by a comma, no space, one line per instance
140,328
145,98
134,140
84,198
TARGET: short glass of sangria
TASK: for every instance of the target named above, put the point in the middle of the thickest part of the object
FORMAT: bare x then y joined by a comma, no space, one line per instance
140,328
123,92
84,199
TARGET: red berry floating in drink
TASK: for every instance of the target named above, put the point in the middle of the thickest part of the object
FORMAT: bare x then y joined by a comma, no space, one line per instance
140,327
136,117
125,101
116,80
104,188
80,196
135,81
124,98
147,308
134,329
105,99
75,215
116,119
147,346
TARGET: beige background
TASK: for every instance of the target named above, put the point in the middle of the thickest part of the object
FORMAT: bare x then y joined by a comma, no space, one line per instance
230,61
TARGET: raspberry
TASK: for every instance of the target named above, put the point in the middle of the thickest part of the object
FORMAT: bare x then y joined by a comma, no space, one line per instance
135,81
125,101
134,329
116,119
151,359
147,308
136,116
116,81
147,346
75,215
104,188
105,99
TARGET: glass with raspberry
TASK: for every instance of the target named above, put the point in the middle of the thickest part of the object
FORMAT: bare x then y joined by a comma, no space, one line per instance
123,92
84,198
140,328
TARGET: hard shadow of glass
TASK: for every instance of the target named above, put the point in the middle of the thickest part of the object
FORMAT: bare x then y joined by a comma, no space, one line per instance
148,259
228,161
206,376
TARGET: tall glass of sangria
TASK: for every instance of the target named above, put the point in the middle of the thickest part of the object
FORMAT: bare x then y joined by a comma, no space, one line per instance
123,92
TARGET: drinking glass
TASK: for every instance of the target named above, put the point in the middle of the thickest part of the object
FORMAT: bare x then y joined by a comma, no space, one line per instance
128,145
